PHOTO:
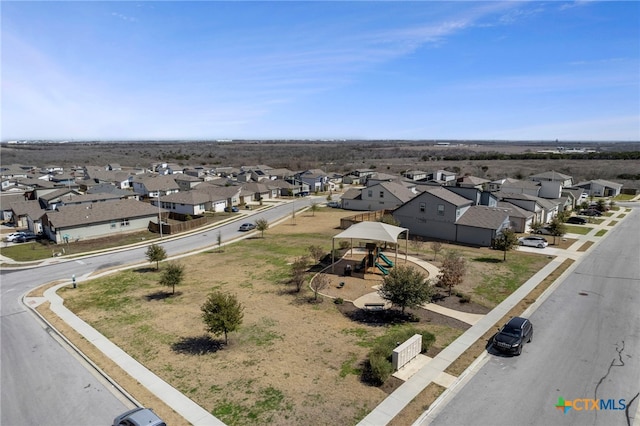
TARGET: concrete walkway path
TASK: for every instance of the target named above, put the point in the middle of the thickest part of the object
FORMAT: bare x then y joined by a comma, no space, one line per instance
188,409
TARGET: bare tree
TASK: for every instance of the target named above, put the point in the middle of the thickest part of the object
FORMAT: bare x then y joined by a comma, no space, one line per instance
316,252
318,283
436,246
219,239
314,208
452,270
416,244
299,272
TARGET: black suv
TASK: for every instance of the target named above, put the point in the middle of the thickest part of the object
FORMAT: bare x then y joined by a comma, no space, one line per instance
513,336
577,220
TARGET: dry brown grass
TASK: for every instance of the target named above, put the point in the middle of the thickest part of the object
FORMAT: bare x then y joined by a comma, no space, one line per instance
292,362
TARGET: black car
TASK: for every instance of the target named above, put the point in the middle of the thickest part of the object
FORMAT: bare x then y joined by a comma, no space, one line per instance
577,220
512,337
591,212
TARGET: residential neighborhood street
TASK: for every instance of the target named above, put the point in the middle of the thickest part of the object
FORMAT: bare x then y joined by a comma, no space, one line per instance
44,383
586,345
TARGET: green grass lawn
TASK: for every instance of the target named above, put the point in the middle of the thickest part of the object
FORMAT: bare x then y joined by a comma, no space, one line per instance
601,232
578,229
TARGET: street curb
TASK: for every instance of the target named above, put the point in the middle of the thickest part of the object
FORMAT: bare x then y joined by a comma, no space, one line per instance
75,349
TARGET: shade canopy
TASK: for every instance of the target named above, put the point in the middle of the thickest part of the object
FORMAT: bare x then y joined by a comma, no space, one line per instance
375,231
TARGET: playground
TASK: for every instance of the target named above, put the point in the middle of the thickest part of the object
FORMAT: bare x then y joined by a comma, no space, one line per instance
361,271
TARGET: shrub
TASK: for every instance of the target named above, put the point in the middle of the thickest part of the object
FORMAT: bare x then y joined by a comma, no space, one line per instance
382,350
338,301
465,299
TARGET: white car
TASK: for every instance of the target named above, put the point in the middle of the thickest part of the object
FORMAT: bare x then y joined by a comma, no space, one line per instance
15,236
539,242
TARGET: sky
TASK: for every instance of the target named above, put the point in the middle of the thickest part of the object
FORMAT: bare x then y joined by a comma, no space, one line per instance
422,70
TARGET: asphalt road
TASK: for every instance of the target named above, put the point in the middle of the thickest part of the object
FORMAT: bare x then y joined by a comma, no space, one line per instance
42,381
586,345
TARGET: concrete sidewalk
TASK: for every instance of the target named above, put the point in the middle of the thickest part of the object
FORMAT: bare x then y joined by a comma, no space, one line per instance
432,370
188,409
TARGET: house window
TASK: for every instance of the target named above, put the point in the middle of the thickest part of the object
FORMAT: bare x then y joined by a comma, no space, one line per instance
370,193
124,222
423,207
112,224
381,194
440,209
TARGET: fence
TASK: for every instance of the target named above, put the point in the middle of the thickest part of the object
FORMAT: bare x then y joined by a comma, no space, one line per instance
177,223
375,216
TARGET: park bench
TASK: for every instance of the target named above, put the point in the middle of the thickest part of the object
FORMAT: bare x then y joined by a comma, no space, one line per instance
374,306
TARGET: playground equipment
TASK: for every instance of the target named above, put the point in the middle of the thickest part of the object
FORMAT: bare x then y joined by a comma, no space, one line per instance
371,260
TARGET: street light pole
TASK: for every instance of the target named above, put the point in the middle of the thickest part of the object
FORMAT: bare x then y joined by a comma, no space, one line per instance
159,215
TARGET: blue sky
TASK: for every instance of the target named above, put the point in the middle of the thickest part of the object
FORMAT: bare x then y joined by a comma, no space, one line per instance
321,70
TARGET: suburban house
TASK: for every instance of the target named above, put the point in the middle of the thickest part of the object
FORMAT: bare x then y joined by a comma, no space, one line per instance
516,186
107,188
5,204
98,175
81,222
357,177
381,196
262,191
186,202
377,178
316,179
187,182
76,199
480,225
219,196
27,214
551,176
442,177
50,199
472,182
152,186
521,220
600,188
544,210
415,175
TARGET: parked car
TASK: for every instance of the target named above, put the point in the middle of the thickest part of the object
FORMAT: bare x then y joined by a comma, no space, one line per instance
544,231
539,242
591,212
333,204
513,335
577,220
232,209
247,227
14,237
138,417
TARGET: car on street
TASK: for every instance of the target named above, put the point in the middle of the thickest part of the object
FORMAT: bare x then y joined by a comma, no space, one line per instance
333,204
247,227
139,417
232,209
513,335
577,220
539,242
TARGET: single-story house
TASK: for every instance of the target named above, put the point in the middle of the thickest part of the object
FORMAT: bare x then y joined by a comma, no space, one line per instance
601,188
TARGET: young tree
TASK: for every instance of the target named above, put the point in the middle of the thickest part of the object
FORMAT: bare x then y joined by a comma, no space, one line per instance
452,270
436,246
316,252
262,225
222,314
318,283
601,206
557,228
505,241
416,244
156,253
405,287
314,208
219,240
390,220
298,272
172,276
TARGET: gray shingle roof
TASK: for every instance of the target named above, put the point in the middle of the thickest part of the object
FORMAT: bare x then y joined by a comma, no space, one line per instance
448,196
86,215
484,217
